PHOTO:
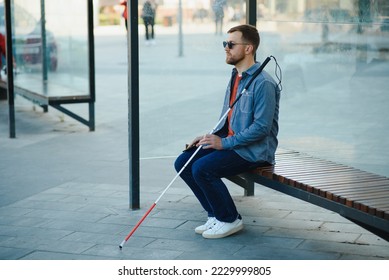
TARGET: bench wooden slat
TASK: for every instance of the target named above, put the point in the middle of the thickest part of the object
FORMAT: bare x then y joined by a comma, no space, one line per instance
345,174
367,198
348,198
320,169
327,191
352,188
311,184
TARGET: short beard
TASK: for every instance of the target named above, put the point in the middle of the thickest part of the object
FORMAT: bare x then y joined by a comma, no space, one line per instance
233,61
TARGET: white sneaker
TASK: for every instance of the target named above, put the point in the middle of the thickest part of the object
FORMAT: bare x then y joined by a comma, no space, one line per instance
223,229
207,225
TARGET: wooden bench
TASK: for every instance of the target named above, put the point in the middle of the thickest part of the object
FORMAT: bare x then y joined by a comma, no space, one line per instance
55,95
359,196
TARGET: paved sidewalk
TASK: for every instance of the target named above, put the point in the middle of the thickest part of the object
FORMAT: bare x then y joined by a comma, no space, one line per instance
64,190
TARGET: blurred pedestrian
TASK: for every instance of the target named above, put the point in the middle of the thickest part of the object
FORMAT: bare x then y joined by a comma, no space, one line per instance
218,10
125,13
148,15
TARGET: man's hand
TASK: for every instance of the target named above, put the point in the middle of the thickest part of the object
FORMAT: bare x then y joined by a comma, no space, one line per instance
195,142
211,141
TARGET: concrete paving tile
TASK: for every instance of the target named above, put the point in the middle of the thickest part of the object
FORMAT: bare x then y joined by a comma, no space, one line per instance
66,215
150,221
5,238
359,257
258,252
134,253
76,186
162,223
98,200
343,227
181,215
164,233
13,253
62,246
47,244
184,205
255,211
221,246
14,211
45,233
107,239
254,236
183,190
346,248
47,197
294,205
315,216
104,209
210,255
313,234
284,223
371,239
69,191
23,221
43,255
84,227
51,205
191,225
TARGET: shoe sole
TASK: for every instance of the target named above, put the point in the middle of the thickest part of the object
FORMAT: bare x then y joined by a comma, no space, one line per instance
228,233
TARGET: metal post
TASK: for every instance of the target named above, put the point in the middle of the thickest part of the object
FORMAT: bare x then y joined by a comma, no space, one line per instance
251,12
10,70
44,42
91,51
180,38
133,103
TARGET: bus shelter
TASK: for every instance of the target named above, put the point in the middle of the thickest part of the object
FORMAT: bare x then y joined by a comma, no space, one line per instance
50,56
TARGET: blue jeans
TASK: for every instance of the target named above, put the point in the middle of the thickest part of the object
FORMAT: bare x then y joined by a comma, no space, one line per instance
203,175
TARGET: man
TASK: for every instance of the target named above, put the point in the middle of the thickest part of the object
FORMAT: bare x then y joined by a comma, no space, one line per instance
246,140
148,15
218,10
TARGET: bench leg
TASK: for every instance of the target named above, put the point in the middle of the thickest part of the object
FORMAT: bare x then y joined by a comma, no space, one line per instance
246,184
249,188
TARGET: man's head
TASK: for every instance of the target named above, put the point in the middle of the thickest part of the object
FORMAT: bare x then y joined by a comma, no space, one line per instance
242,43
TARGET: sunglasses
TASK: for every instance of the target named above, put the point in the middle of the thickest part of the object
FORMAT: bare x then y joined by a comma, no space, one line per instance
231,44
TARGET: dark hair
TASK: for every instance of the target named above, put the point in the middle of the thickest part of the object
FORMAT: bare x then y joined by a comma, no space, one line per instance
249,34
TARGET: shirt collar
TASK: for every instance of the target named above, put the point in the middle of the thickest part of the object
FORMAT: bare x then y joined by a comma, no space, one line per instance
249,71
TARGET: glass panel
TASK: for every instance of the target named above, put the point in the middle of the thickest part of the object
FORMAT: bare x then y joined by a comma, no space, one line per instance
183,76
335,60
66,49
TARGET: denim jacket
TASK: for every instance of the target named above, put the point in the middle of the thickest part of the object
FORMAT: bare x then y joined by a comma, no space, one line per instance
254,118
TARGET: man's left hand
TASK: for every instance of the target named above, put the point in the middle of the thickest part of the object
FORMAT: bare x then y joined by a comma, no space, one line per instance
211,141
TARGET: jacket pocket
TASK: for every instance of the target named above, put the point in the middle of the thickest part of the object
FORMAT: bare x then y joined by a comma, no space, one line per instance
246,102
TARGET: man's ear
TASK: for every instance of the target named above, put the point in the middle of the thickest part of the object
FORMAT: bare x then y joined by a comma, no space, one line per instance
249,49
